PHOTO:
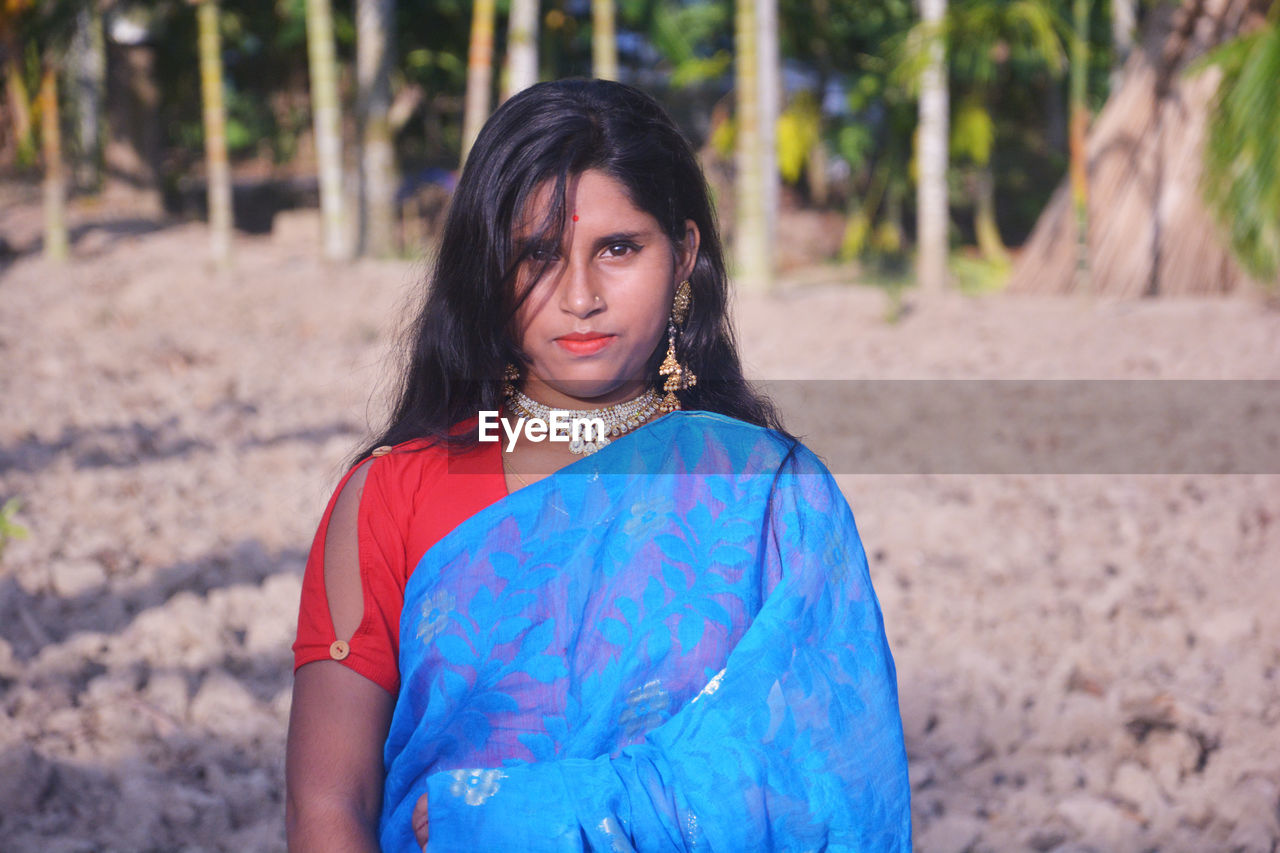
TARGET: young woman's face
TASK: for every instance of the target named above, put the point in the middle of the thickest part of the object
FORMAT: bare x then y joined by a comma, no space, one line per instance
589,326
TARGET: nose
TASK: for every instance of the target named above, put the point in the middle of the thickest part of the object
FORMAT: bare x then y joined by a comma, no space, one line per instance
580,294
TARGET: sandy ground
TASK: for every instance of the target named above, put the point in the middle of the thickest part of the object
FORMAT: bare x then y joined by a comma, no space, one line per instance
1086,662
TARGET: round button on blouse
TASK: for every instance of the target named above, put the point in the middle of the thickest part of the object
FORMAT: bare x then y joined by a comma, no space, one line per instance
338,650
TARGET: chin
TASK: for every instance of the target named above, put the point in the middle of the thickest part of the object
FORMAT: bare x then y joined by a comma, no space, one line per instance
590,380
588,389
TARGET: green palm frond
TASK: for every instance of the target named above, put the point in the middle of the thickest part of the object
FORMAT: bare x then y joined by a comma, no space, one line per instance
981,36
909,56
973,132
680,31
985,34
1039,29
1242,150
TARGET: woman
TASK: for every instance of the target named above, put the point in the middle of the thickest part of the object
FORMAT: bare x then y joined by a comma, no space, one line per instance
665,640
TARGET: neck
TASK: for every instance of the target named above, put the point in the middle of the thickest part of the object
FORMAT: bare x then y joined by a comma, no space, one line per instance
557,399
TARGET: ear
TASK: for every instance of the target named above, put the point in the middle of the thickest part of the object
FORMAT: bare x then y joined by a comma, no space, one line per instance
687,250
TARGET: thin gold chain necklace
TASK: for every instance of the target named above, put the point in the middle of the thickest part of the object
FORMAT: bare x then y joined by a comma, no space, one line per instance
513,472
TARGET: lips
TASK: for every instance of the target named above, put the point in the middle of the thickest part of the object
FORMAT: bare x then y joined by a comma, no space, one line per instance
584,343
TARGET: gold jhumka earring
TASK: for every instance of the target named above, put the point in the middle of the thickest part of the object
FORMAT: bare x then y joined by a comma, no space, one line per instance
678,377
510,376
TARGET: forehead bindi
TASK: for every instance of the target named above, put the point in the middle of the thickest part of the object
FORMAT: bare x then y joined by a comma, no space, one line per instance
594,203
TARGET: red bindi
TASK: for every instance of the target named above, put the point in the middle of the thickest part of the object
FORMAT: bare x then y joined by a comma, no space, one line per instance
575,217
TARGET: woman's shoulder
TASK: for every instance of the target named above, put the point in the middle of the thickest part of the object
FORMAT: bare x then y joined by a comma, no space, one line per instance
419,489
706,422
422,446
754,448
411,465
417,455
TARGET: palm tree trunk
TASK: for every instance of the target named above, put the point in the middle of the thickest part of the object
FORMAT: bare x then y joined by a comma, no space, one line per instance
377,156
1150,231
55,180
985,227
931,199
522,47
479,73
19,102
1124,20
752,245
327,117
89,53
604,41
215,133
816,174
770,109
1079,134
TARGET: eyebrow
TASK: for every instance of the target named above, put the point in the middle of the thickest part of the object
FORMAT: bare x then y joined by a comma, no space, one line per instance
524,244
622,237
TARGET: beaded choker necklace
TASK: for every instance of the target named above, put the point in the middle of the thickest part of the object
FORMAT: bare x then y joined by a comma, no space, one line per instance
618,418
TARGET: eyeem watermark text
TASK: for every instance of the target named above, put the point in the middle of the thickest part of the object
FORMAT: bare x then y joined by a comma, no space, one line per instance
560,427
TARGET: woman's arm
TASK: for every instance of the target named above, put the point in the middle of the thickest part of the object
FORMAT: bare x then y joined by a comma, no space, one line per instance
339,719
333,764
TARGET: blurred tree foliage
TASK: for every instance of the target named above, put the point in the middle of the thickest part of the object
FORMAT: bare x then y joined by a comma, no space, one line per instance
1242,157
266,75
33,34
846,134
264,56
994,45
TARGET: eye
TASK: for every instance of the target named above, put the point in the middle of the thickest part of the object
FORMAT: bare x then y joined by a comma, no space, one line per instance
543,254
620,250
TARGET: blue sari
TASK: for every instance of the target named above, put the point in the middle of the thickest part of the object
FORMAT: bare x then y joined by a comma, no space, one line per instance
671,644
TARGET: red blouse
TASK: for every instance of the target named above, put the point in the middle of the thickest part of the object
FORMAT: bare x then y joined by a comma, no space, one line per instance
414,494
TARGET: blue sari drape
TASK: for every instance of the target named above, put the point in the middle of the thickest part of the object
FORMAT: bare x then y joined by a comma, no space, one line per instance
672,644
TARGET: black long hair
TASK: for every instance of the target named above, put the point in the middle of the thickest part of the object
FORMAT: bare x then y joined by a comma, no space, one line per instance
462,339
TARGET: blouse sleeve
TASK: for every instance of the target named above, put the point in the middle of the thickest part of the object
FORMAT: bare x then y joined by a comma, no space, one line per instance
796,744
371,649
